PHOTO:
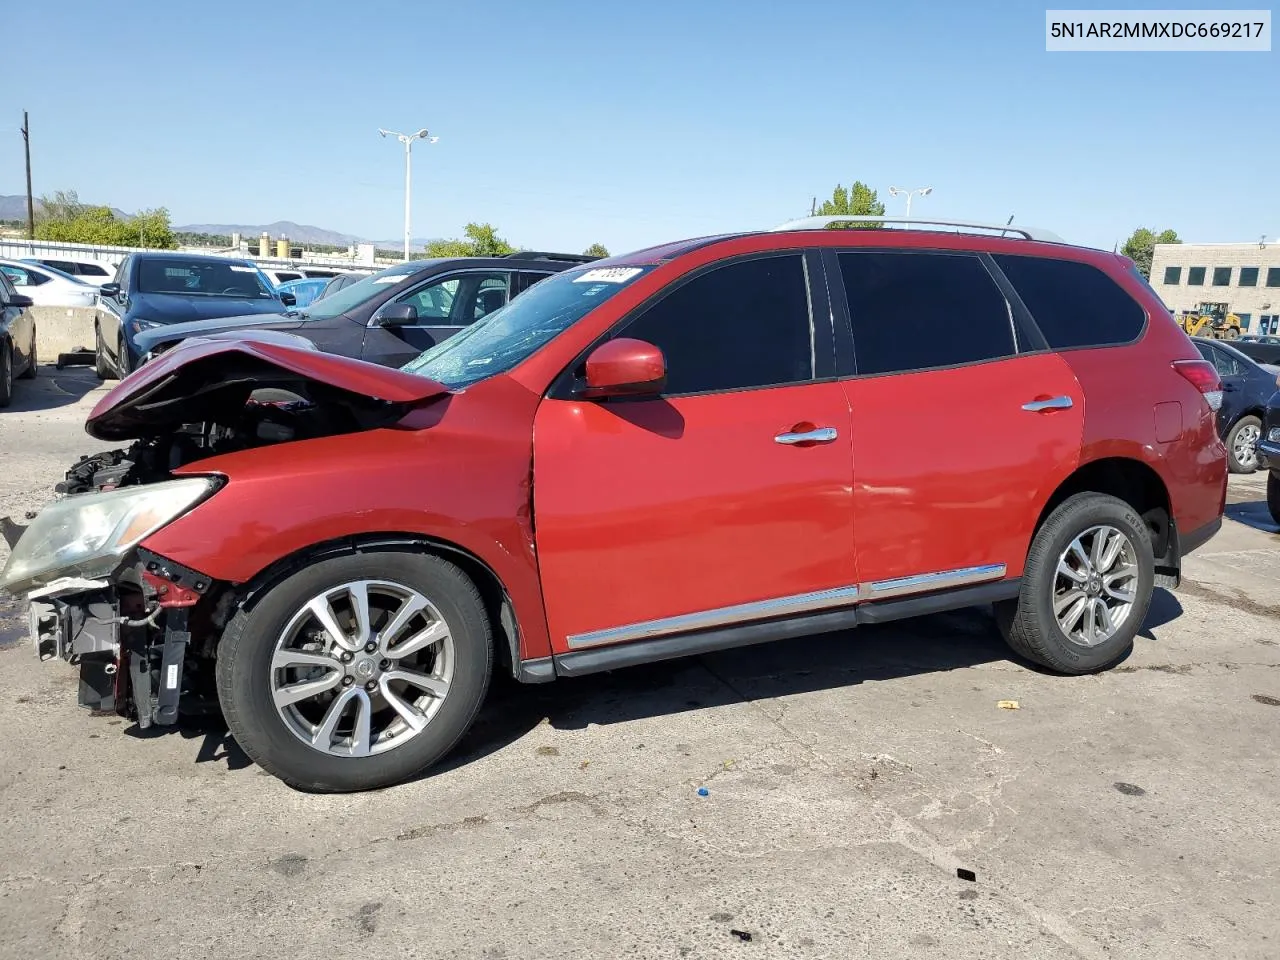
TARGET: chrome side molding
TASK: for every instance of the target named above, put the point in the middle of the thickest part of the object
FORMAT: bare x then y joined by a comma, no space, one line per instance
788,606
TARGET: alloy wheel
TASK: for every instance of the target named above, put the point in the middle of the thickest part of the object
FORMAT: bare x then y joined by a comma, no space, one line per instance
362,668
1096,585
1245,445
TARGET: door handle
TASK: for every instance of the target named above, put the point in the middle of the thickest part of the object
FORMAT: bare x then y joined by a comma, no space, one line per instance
1053,403
817,435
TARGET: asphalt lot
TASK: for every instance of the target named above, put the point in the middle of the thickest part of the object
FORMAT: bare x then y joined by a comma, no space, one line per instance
1129,814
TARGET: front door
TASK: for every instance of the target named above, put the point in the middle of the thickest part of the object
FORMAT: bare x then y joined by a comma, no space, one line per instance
724,501
962,425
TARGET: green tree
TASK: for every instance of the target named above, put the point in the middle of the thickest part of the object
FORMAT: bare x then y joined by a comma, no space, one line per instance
63,217
482,240
1140,247
596,250
859,200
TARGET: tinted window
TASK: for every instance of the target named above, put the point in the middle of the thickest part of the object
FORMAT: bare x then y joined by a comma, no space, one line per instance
1223,362
1073,304
1173,275
201,278
6,288
1195,276
737,326
22,277
1248,276
1273,276
913,311
1221,276
286,277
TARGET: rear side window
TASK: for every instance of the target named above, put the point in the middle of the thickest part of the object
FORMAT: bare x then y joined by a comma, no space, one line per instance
734,327
914,311
1074,304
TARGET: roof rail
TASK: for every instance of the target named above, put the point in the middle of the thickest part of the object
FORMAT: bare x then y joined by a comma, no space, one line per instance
960,226
543,255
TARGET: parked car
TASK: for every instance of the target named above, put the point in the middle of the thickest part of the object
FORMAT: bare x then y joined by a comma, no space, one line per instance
701,445
1261,349
304,292
89,271
1269,454
392,316
48,287
340,282
157,288
1246,388
17,338
282,275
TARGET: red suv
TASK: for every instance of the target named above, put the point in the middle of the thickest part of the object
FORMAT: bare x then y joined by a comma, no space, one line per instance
701,445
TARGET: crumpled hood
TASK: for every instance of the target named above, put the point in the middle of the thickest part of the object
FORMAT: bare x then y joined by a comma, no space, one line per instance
209,379
148,340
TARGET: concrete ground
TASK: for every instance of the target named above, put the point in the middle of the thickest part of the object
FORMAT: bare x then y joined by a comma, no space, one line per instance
1130,814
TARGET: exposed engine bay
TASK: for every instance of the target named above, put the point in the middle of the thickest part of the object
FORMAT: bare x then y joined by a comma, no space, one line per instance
144,630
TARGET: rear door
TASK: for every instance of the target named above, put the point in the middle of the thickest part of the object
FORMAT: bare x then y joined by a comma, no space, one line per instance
445,305
724,501
962,423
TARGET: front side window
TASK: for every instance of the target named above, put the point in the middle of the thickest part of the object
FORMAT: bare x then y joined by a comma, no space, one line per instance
22,277
529,322
916,311
1221,276
434,301
738,326
202,278
1195,276
1172,276
1248,276
458,300
1074,304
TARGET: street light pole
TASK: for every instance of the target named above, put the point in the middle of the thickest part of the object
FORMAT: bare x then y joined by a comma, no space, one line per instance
898,191
407,139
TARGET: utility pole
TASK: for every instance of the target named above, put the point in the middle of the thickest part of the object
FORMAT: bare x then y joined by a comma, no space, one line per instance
31,207
813,207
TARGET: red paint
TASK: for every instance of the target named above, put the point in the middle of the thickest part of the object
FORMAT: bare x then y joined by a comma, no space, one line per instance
652,508
624,366
168,594
655,508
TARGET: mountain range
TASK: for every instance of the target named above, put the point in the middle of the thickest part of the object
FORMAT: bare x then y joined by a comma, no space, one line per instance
15,208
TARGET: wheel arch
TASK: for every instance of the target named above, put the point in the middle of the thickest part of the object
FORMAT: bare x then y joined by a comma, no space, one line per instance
498,604
1138,484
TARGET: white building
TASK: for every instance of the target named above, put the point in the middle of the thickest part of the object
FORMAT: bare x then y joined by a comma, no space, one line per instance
1244,276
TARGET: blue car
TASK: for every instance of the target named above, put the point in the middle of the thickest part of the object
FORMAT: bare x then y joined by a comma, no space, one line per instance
305,292
1247,387
155,288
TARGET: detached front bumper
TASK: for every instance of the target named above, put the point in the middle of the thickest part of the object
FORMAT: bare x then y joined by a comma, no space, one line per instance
80,621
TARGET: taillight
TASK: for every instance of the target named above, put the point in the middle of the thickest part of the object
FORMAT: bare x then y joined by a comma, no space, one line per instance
1202,375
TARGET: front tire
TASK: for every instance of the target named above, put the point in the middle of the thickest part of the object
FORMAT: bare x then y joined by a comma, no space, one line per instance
357,672
1086,586
6,373
1242,445
1273,495
100,365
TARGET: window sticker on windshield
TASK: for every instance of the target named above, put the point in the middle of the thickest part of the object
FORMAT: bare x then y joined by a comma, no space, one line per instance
609,275
387,279
244,269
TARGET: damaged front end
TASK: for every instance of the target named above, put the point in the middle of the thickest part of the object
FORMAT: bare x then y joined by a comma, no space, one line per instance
142,629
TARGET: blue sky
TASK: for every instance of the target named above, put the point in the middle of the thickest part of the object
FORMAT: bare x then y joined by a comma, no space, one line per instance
566,123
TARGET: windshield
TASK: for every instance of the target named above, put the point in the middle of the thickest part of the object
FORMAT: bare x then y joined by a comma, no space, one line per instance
507,336
350,297
203,278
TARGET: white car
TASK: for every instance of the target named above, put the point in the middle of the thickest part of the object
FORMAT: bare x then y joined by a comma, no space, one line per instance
48,287
92,272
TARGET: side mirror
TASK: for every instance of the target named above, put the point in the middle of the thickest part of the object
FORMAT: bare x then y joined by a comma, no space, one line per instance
625,368
288,299
397,315
109,290
21,300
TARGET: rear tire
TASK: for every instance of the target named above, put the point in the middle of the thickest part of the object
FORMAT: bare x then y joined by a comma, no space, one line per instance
122,358
1273,495
296,742
33,363
1242,445
1030,624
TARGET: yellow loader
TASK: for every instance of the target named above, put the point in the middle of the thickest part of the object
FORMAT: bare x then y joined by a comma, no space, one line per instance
1210,320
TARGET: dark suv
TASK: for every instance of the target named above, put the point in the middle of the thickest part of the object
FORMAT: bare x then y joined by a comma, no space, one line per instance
392,316
701,445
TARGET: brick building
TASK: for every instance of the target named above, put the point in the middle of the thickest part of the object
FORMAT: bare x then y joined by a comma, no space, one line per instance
1245,276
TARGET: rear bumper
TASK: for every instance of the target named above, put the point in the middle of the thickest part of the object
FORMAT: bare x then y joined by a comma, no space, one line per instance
1195,539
